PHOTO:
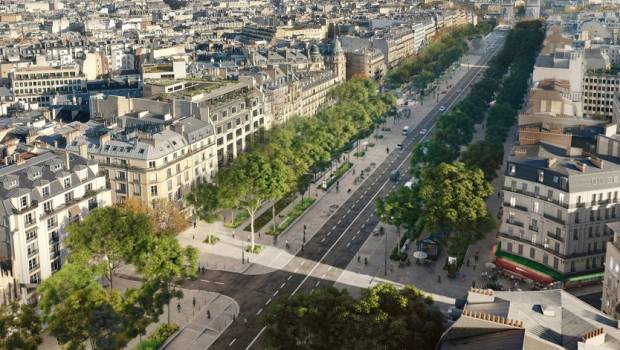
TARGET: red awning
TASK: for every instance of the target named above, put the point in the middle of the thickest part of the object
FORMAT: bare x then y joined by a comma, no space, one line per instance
523,271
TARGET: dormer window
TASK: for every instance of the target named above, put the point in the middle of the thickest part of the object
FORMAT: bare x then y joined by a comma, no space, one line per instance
541,176
23,202
67,182
45,191
513,169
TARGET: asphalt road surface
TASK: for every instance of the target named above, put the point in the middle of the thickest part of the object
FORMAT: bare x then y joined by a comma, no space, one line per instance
331,249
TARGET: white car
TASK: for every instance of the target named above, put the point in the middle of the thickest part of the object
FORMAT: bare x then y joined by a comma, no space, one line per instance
442,108
423,132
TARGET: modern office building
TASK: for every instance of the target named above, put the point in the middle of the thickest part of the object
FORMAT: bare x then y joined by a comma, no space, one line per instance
41,195
46,85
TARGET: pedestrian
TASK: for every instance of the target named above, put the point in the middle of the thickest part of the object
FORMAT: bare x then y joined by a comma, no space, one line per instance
193,237
208,314
438,278
498,194
476,257
387,150
467,262
305,227
194,223
245,320
353,171
358,258
365,261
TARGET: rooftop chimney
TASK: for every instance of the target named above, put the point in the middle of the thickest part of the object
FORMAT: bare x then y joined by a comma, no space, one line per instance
67,161
594,337
478,295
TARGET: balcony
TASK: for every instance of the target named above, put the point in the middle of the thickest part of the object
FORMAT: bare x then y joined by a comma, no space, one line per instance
54,240
515,222
33,252
537,196
554,236
34,268
554,219
518,207
533,228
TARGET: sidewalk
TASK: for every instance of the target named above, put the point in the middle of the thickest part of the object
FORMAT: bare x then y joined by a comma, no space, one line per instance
227,253
359,275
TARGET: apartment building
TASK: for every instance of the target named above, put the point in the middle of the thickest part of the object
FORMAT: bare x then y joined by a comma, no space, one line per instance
46,85
396,45
368,63
150,162
41,195
556,207
611,282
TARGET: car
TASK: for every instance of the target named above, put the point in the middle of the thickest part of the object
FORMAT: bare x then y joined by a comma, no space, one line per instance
405,130
395,176
442,108
423,132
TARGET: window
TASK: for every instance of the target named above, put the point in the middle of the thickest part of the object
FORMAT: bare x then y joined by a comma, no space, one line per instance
92,203
23,202
28,219
151,164
51,222
45,191
67,182
68,197
55,265
47,206
513,201
520,249
32,248
33,263
154,190
35,278
30,235
532,253
541,176
536,207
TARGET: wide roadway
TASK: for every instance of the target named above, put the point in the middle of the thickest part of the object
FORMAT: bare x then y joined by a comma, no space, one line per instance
332,248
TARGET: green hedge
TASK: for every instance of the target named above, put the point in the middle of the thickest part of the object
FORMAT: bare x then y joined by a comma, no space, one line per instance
159,337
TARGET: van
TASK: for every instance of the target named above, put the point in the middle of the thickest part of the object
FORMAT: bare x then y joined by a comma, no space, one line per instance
408,184
405,130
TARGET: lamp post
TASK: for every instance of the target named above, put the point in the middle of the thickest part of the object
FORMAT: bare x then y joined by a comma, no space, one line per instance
242,251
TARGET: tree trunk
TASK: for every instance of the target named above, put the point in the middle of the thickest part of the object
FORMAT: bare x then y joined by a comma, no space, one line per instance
273,215
232,216
252,230
168,306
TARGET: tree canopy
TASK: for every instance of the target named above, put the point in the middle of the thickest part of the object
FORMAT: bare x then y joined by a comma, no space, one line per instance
76,306
326,318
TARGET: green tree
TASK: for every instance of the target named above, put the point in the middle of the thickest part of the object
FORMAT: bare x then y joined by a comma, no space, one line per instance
249,176
168,264
454,197
397,318
315,320
205,199
326,318
483,155
78,310
111,236
303,183
20,327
